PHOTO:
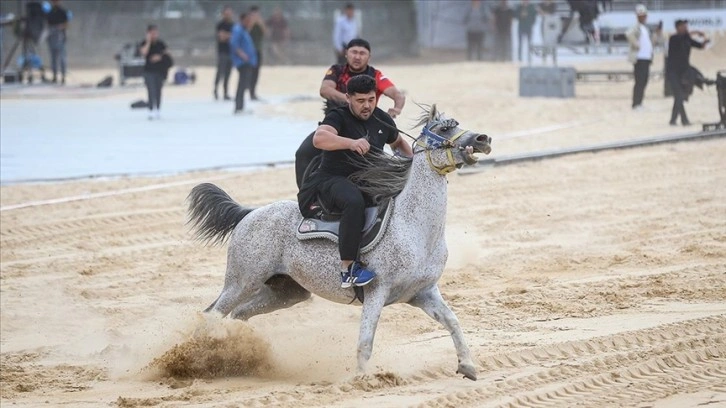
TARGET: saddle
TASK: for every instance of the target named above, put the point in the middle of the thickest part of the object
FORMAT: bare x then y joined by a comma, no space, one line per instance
326,224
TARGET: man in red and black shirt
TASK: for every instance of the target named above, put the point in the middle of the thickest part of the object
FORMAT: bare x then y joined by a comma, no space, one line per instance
334,88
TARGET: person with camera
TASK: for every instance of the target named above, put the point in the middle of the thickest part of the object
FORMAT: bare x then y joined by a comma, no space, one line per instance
155,69
678,64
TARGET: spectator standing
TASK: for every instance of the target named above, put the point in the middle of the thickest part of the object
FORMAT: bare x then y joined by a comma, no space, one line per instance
551,26
279,36
588,12
678,64
346,28
526,13
224,59
503,16
155,68
57,19
257,30
477,23
640,55
244,58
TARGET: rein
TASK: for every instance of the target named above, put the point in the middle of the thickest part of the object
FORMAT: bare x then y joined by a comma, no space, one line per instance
432,141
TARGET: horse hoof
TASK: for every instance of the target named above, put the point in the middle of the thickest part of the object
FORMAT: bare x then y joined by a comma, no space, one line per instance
467,370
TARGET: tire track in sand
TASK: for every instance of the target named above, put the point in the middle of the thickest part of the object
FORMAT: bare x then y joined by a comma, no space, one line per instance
626,368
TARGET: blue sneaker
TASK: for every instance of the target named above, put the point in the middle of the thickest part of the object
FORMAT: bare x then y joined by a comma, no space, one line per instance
357,275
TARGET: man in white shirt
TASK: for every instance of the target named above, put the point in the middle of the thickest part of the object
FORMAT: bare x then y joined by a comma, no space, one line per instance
346,29
641,54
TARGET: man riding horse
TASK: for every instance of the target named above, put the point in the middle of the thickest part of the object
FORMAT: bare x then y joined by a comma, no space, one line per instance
346,132
333,89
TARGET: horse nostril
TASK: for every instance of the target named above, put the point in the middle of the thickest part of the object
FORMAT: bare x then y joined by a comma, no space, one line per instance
483,139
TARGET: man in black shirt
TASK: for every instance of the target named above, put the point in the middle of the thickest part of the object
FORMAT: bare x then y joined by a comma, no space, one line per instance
678,64
503,16
257,30
333,89
155,69
57,22
345,133
224,61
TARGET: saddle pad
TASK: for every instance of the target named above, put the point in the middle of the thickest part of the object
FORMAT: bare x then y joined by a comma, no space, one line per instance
377,219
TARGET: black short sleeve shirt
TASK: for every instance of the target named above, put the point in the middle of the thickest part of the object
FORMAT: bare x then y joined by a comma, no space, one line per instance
157,47
223,46
57,15
342,162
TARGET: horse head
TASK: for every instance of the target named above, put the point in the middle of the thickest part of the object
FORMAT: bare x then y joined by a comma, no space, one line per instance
447,146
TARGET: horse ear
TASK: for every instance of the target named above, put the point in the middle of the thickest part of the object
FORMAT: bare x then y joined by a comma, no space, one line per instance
433,113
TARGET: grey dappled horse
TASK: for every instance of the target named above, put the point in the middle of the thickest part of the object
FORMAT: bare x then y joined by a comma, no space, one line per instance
268,268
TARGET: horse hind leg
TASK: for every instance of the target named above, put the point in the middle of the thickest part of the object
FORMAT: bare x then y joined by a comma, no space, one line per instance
279,292
431,302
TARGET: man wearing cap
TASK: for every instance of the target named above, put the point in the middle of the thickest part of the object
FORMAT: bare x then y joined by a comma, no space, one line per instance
677,65
641,54
334,89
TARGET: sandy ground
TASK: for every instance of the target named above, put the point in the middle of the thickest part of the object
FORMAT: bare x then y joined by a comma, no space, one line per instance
593,280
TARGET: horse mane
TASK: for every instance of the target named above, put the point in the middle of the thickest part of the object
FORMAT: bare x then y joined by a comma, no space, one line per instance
381,176
428,113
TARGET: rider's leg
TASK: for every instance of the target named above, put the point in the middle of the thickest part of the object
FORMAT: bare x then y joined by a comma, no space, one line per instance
279,292
431,302
346,197
303,156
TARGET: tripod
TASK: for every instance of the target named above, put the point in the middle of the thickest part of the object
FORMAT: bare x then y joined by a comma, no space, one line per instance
30,57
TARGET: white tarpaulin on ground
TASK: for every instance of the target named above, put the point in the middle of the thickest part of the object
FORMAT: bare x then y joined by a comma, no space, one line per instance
57,139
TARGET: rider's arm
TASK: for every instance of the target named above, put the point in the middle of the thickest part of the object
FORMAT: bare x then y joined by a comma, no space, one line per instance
402,147
326,138
399,99
328,90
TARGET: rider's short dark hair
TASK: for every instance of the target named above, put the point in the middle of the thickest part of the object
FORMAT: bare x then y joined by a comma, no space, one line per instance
361,84
359,42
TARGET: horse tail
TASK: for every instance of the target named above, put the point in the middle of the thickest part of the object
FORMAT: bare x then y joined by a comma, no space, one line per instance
213,213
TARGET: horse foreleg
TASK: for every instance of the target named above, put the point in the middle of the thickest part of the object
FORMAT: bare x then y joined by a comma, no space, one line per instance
431,302
370,315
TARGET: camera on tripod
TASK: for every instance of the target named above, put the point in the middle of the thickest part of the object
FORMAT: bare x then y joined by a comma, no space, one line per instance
28,30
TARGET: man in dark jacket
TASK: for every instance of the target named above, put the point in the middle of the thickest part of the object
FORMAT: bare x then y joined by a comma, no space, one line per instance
678,64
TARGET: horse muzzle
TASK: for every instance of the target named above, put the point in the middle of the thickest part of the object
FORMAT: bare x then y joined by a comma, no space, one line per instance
479,144
482,144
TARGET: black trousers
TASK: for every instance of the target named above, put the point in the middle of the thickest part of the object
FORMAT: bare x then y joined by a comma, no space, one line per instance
678,97
255,75
474,45
243,83
522,34
341,194
503,47
641,72
303,156
153,81
224,68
